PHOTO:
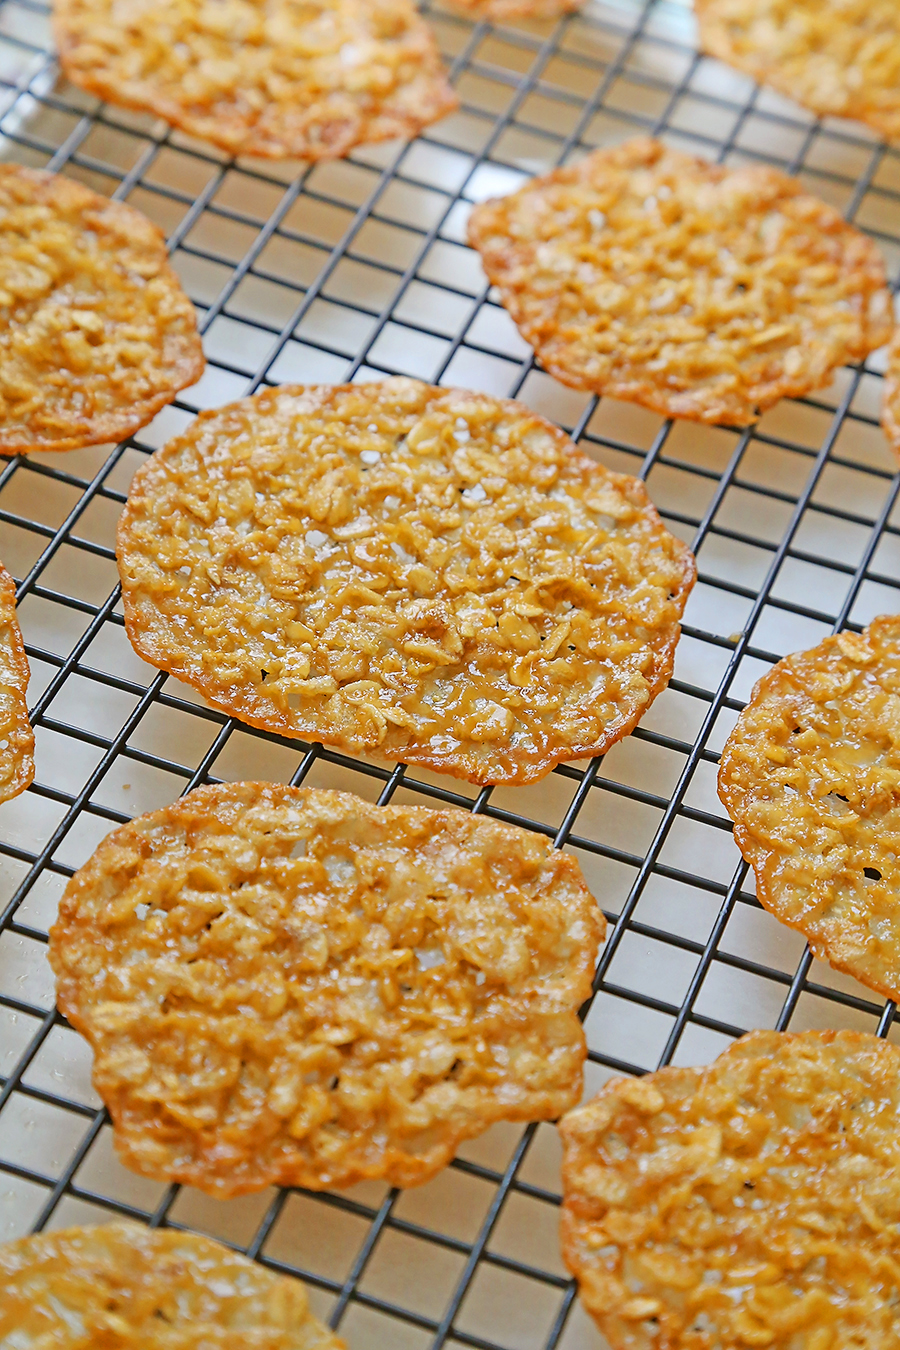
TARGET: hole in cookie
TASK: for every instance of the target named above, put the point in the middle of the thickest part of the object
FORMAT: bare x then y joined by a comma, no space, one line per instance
871,874
749,1185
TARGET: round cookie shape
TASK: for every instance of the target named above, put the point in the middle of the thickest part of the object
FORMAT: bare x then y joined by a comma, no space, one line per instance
294,987
96,334
262,77
430,575
754,1202
838,58
16,735
810,775
118,1284
698,291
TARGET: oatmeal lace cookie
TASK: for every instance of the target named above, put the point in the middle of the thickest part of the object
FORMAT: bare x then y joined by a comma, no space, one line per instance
699,291
124,1287
503,11
276,78
16,735
432,575
96,334
836,57
890,410
810,776
755,1202
295,987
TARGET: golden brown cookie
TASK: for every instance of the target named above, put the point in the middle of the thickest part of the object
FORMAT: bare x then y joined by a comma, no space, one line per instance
432,575
96,334
751,1203
890,408
810,776
122,1287
504,11
836,57
16,735
296,987
696,290
262,77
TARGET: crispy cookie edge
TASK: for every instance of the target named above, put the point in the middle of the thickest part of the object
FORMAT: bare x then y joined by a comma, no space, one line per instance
830,946
400,1168
23,735
126,1235
485,233
713,40
890,405
578,1126
507,767
499,11
111,426
234,135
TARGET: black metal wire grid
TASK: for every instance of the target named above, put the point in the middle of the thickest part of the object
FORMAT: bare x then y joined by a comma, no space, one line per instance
357,270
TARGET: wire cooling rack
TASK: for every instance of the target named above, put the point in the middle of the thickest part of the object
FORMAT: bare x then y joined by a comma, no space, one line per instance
355,270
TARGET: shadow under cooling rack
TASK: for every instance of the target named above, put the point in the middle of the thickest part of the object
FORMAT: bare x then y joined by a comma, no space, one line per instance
358,269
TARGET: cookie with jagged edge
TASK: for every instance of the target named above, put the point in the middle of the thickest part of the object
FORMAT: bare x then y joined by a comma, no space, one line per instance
16,735
505,11
755,1202
839,58
430,575
120,1285
295,987
810,775
262,77
890,407
96,334
699,291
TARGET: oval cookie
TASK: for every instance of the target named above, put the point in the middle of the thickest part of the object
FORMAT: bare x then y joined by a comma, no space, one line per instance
122,1285
810,775
16,735
699,291
294,987
836,57
262,77
751,1203
96,334
436,576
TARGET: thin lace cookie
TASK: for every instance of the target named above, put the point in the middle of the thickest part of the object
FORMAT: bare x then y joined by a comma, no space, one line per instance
838,58
294,987
755,1202
890,408
698,291
16,735
120,1285
96,334
262,77
430,575
810,775
503,11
